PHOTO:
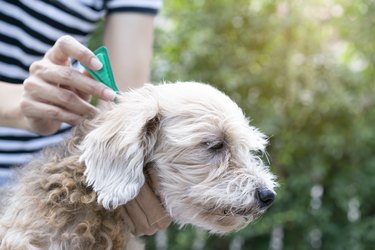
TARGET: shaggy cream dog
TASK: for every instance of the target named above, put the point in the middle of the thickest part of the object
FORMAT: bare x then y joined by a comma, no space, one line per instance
189,136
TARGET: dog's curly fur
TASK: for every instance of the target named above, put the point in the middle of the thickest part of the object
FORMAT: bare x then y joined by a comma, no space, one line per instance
191,136
57,209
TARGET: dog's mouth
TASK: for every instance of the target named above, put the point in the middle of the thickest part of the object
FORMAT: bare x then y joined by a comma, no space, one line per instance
230,218
247,213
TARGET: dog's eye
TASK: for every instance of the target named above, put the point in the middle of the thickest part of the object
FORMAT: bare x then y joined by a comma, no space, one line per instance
216,145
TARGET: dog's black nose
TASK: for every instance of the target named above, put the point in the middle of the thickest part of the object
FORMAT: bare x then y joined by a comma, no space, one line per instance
265,197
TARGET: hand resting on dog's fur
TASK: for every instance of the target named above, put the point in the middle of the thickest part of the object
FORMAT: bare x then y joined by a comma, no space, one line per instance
188,140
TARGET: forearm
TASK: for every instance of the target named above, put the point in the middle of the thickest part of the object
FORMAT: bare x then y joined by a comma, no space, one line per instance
10,112
129,38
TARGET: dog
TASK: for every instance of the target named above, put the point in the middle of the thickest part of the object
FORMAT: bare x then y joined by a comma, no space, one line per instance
190,136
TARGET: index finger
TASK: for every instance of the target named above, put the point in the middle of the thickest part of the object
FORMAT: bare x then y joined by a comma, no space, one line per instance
67,46
71,78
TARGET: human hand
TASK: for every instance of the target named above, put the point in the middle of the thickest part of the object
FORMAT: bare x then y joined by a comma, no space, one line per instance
145,215
55,92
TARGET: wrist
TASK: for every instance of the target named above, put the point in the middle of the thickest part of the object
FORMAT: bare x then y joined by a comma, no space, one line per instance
12,117
10,109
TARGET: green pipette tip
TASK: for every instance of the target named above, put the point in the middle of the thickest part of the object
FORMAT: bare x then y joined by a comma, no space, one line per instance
105,74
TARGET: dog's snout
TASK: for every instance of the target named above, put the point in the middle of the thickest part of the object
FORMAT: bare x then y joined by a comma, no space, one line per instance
265,197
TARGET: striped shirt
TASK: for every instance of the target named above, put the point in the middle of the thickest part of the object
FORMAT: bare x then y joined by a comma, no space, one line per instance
28,28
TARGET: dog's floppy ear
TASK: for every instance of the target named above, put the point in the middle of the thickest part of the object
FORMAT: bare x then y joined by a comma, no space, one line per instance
115,150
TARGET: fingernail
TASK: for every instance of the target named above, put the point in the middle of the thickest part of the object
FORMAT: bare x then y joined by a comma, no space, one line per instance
95,63
109,94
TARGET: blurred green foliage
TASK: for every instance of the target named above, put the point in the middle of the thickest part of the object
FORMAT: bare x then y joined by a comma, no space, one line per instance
303,71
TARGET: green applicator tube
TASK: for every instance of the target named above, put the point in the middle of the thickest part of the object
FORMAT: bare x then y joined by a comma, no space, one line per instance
105,74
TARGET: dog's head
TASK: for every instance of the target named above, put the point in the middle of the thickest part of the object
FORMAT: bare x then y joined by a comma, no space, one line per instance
201,147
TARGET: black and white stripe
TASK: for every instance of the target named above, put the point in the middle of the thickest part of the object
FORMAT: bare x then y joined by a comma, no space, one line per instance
17,145
28,28
134,5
